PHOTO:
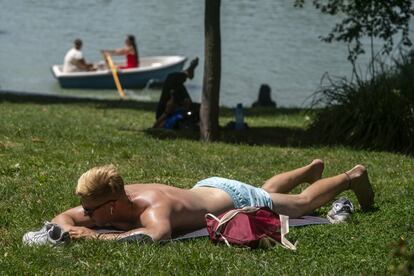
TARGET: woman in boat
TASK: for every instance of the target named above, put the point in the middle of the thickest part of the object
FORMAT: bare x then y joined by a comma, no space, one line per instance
130,51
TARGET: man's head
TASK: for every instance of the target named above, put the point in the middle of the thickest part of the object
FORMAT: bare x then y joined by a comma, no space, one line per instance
78,43
100,183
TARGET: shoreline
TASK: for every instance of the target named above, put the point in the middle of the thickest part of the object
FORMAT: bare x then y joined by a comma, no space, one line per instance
39,95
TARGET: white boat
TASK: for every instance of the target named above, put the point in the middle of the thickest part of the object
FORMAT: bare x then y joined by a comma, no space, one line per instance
153,69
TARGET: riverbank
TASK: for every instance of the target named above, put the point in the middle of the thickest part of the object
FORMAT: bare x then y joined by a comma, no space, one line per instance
45,145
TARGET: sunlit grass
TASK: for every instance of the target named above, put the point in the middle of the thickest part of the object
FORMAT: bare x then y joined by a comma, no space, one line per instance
45,147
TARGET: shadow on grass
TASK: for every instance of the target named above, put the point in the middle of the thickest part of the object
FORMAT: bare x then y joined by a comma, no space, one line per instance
373,209
264,112
275,136
24,97
262,136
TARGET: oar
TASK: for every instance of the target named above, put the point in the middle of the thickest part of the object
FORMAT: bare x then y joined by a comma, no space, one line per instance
114,74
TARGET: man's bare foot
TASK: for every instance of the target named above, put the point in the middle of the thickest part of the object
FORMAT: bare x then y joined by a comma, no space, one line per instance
315,170
191,68
359,183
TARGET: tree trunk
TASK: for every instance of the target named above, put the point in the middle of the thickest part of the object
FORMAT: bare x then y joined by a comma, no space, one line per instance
209,111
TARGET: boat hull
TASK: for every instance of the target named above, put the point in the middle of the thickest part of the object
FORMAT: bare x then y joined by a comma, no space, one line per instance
129,78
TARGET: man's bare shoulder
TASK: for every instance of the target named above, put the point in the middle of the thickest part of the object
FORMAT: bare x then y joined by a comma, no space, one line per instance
143,187
138,184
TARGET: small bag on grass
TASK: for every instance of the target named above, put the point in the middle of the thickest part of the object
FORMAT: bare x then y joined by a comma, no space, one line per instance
252,227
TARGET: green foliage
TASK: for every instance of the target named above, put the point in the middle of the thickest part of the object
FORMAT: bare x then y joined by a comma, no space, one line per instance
44,148
382,19
374,114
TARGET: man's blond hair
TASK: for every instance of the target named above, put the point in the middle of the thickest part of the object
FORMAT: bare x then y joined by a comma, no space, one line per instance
103,181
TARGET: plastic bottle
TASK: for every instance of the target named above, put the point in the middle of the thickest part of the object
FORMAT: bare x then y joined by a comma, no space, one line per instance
238,113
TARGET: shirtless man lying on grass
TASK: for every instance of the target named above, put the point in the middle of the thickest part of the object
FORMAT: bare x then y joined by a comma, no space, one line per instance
160,212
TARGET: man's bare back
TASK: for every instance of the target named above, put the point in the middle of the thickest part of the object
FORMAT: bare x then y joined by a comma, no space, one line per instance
185,208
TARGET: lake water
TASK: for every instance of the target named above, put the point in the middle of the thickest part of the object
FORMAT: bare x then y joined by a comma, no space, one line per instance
263,41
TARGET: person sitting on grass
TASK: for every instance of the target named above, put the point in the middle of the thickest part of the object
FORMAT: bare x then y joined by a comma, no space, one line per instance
264,99
174,102
156,212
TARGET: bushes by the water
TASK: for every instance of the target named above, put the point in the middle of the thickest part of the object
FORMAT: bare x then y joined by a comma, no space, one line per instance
374,114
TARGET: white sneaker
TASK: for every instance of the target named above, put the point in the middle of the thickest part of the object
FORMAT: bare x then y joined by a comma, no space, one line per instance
341,211
50,234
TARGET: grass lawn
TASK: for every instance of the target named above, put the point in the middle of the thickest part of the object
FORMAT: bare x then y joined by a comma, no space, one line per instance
46,146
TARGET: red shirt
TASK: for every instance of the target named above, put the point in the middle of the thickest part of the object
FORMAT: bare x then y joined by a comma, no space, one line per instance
131,62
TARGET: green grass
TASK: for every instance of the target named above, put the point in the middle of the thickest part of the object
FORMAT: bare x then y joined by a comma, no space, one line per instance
44,147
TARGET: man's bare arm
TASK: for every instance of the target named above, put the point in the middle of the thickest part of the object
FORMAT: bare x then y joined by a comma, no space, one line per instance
81,63
139,234
73,217
156,224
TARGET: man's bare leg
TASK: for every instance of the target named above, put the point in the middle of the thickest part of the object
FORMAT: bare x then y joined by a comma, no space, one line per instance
323,191
169,109
190,70
359,183
283,183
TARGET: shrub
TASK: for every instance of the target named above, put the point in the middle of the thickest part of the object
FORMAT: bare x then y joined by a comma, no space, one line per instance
374,114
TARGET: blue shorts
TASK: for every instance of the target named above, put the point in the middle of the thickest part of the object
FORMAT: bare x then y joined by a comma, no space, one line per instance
241,193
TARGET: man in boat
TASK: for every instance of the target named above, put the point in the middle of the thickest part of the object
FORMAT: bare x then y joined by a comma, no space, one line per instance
74,61
155,212
175,102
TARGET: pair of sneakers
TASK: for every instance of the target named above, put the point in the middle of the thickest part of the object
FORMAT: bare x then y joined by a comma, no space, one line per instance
49,234
341,211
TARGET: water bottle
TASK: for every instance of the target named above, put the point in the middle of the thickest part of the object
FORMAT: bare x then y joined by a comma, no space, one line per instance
238,113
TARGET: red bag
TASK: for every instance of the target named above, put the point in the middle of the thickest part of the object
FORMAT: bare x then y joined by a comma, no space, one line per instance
250,226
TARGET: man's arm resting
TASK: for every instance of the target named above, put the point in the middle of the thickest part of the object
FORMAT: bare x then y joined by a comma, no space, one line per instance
157,227
130,236
82,64
73,217
140,234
